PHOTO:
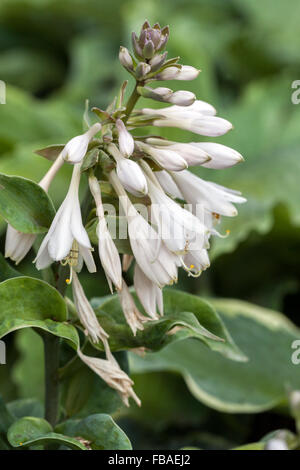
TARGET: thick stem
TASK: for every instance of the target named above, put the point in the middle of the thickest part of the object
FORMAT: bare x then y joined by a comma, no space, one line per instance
132,101
51,351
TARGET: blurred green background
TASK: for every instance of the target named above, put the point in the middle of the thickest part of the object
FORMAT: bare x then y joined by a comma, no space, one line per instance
54,55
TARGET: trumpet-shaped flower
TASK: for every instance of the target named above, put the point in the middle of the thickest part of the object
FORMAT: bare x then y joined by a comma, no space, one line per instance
149,294
177,226
153,257
108,252
211,196
18,244
66,227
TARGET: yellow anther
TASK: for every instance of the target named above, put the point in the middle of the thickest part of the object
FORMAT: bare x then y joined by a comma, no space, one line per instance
192,266
68,281
228,232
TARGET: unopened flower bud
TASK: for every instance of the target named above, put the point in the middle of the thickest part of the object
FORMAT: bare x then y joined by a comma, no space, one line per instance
182,98
125,58
187,72
126,142
138,52
142,69
148,49
129,173
158,94
75,150
157,61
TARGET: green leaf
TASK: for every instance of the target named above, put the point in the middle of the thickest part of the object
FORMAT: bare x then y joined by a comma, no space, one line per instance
185,316
26,407
259,384
6,419
252,446
99,430
6,271
25,205
29,302
31,431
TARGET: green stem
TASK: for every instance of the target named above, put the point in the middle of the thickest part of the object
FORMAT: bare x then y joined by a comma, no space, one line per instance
132,101
51,351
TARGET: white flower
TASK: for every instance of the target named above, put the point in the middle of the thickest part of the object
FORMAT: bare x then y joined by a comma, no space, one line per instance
108,253
65,228
109,371
194,111
155,260
192,154
182,98
186,72
129,173
166,95
133,316
168,159
149,294
178,227
211,196
86,313
75,150
220,155
126,142
196,261
18,244
168,184
207,125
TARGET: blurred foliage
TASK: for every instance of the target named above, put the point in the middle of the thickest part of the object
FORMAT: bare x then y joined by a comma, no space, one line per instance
53,56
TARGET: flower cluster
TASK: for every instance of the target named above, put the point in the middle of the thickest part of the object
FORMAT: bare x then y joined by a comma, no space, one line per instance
182,210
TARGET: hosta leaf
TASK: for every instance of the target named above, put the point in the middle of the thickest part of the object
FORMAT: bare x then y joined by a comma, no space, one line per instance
31,431
29,302
6,271
99,430
25,205
26,407
185,316
263,335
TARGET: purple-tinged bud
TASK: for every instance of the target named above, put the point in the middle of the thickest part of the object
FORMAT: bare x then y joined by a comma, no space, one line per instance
157,61
125,58
142,70
165,33
158,94
136,47
148,50
146,25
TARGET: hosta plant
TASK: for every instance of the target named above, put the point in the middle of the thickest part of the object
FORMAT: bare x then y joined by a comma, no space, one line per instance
142,209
